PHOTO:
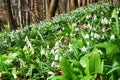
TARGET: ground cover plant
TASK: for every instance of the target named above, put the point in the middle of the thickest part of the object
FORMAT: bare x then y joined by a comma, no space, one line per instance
80,45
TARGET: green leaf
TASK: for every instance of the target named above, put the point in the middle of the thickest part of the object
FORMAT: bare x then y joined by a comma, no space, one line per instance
59,78
84,61
111,48
112,70
67,69
78,65
95,62
86,78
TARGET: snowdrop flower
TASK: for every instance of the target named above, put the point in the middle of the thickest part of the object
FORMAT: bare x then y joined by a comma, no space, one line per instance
94,29
97,36
66,34
86,36
88,43
117,12
104,21
103,37
89,26
76,29
15,76
103,29
83,49
57,45
50,72
48,47
112,36
52,51
88,16
71,34
60,31
42,52
63,29
56,57
94,17
119,18
7,61
70,47
91,34
53,64
74,24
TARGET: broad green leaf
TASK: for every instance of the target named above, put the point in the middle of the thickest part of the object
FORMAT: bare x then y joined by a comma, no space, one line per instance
78,65
59,78
114,13
111,49
67,69
84,61
86,78
95,62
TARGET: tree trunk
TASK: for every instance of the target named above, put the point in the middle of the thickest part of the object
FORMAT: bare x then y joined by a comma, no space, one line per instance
20,13
1,25
51,8
72,4
79,3
12,23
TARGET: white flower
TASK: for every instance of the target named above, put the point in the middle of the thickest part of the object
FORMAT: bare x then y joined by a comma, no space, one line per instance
112,36
15,76
74,24
94,29
50,72
76,29
104,21
71,34
117,12
53,64
57,45
97,36
89,26
56,57
103,29
70,47
52,51
7,61
103,37
88,43
83,49
48,47
66,34
88,16
86,36
94,17
92,34
63,29
42,52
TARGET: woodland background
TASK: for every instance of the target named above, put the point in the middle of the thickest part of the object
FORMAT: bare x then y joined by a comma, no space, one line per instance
18,13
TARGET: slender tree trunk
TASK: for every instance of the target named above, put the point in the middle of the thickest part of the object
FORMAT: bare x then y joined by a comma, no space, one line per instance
11,21
44,11
72,4
51,7
68,5
79,3
20,13
1,25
